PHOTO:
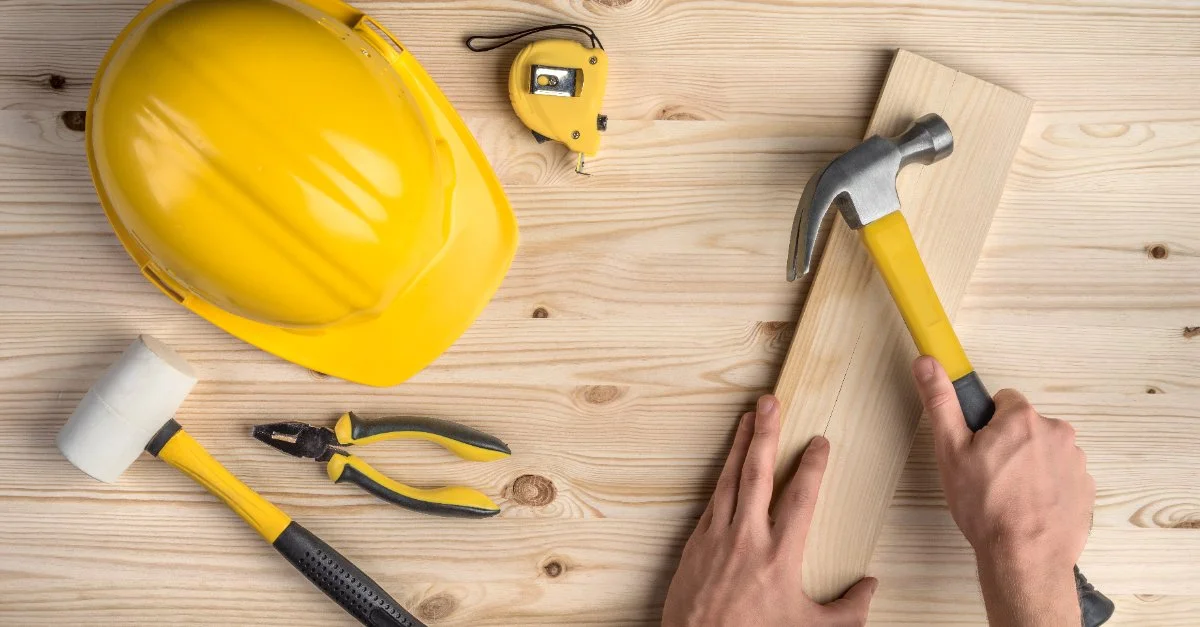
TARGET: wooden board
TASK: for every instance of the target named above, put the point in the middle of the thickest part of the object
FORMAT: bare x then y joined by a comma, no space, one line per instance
661,275
846,374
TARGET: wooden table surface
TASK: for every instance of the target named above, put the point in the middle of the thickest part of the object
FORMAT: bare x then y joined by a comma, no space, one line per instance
646,308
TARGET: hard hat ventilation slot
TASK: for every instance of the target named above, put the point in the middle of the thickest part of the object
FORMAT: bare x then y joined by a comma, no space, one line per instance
150,274
380,39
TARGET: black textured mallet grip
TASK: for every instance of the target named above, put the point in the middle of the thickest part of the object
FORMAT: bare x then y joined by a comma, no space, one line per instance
978,409
337,577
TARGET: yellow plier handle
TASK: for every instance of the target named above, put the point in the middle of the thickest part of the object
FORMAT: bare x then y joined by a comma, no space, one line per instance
469,444
465,442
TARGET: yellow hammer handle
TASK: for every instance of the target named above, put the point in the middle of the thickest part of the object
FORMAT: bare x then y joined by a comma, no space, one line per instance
182,451
891,245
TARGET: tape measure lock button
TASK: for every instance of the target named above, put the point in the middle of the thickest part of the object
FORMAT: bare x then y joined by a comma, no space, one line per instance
547,80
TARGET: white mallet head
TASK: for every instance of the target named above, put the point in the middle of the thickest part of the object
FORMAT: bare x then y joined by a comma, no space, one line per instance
133,399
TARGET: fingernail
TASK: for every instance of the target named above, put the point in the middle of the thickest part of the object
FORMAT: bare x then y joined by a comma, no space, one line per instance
925,369
818,443
874,585
747,420
767,404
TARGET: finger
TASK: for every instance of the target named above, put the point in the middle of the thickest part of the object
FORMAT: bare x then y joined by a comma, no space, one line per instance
1065,429
950,432
794,512
853,607
725,496
1010,405
758,473
1010,399
1014,414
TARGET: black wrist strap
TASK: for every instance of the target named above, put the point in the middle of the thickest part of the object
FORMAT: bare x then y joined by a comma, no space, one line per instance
511,37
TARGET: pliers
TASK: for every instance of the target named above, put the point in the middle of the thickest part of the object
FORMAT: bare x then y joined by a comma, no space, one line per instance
326,445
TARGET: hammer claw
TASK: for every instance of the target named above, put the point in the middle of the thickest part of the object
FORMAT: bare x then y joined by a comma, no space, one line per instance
819,195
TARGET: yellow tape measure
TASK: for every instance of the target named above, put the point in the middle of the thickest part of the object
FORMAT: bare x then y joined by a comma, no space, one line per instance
556,87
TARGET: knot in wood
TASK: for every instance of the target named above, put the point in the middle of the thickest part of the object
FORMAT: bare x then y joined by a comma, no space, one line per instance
533,490
320,376
601,394
541,312
74,120
677,114
437,607
553,568
1191,332
57,82
778,333
1158,251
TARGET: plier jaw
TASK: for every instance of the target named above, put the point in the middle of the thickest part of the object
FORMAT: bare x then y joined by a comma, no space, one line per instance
299,439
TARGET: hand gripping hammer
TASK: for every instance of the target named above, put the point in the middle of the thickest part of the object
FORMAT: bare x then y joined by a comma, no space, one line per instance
862,183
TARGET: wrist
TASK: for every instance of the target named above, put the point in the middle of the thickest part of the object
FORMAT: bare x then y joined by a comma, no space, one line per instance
1024,590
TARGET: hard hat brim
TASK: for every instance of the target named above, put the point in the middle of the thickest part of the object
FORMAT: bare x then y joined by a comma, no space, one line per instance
423,321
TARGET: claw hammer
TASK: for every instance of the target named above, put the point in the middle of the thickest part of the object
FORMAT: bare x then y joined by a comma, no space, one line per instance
862,184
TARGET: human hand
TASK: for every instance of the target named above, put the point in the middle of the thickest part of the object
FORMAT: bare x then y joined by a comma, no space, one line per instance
1020,492
741,567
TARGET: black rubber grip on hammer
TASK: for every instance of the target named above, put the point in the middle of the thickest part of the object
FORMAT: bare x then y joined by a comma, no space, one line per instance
337,577
977,405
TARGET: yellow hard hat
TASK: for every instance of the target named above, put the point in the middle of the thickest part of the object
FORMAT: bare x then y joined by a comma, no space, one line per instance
288,171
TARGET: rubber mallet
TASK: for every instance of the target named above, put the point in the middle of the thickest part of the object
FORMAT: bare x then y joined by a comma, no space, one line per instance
132,407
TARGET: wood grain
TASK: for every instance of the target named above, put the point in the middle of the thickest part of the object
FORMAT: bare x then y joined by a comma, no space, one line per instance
662,276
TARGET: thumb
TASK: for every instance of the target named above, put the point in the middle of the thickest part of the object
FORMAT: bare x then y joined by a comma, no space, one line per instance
950,431
857,601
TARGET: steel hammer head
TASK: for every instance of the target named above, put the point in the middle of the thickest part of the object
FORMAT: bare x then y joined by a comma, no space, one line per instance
862,183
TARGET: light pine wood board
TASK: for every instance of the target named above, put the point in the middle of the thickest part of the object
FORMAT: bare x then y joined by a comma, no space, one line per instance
662,275
846,373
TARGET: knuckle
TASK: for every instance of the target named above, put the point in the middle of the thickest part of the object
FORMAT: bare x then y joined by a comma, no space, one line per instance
799,497
1009,398
765,426
761,431
942,398
1063,431
754,474
745,538
779,560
